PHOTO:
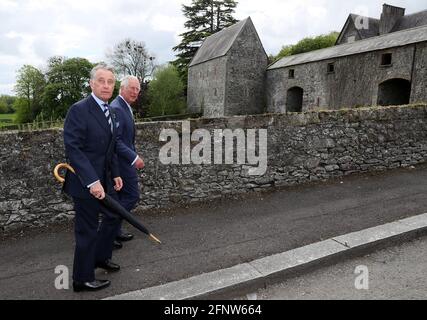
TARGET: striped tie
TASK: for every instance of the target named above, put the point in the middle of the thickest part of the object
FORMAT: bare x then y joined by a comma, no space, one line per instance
108,116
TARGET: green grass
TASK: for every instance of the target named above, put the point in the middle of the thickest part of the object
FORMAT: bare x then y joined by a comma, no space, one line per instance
7,119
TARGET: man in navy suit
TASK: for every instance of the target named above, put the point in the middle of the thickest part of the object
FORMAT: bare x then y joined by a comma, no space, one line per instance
89,138
129,160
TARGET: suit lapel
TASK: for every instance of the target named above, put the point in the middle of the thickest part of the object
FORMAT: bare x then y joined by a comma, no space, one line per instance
125,106
96,111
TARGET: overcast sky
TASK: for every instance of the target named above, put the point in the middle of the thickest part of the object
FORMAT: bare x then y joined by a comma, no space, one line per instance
33,30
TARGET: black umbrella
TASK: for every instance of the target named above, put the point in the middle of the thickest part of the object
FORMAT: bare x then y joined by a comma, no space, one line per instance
110,203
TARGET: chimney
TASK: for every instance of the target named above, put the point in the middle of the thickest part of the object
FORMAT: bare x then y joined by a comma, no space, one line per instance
389,17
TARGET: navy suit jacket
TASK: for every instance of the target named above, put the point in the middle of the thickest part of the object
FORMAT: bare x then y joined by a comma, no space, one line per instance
89,148
125,143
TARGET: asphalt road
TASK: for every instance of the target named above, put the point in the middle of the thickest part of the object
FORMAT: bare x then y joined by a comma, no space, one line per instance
218,235
395,273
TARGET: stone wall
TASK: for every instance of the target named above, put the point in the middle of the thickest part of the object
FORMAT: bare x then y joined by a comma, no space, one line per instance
29,195
206,87
247,63
302,147
419,77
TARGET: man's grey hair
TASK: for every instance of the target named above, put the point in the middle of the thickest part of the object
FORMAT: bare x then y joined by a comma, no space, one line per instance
125,81
100,66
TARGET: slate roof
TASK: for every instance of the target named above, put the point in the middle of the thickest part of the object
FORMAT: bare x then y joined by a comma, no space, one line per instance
411,21
390,40
218,44
373,28
372,31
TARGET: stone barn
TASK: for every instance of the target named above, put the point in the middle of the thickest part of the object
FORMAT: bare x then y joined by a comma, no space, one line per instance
374,62
383,70
226,76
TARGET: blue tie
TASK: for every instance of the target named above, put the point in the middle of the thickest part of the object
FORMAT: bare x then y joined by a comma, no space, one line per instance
108,116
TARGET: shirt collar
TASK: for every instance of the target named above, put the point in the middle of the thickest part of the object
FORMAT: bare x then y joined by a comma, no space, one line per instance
130,108
99,101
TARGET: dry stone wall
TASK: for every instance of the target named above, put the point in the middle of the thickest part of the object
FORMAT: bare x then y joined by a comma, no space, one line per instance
301,148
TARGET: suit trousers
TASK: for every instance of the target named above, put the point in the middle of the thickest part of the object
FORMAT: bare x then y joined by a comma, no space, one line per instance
129,195
94,240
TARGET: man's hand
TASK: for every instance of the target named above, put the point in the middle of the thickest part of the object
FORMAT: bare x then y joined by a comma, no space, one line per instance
97,191
119,184
139,164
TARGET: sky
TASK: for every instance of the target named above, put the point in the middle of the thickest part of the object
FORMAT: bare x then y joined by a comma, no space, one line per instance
31,31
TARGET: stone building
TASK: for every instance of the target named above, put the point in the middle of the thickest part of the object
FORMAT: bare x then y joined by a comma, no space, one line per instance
383,70
374,62
383,65
226,76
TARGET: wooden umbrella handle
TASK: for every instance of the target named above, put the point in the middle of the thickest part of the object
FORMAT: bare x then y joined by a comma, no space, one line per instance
62,180
60,166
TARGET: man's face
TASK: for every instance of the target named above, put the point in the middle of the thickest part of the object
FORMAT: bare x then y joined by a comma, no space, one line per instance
103,84
131,91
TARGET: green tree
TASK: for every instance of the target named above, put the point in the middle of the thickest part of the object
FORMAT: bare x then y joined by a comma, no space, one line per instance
67,83
29,87
204,18
308,44
8,101
3,107
166,92
24,113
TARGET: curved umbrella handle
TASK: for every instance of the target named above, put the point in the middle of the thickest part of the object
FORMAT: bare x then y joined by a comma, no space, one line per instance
129,218
60,166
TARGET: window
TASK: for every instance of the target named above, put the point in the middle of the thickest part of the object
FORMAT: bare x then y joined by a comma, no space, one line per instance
386,59
291,73
331,68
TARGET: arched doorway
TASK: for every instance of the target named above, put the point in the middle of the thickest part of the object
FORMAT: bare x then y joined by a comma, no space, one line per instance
294,99
394,92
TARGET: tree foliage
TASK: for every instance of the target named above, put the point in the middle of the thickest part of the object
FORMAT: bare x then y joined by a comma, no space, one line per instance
6,103
308,44
204,18
166,92
30,84
3,107
49,95
24,113
67,83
